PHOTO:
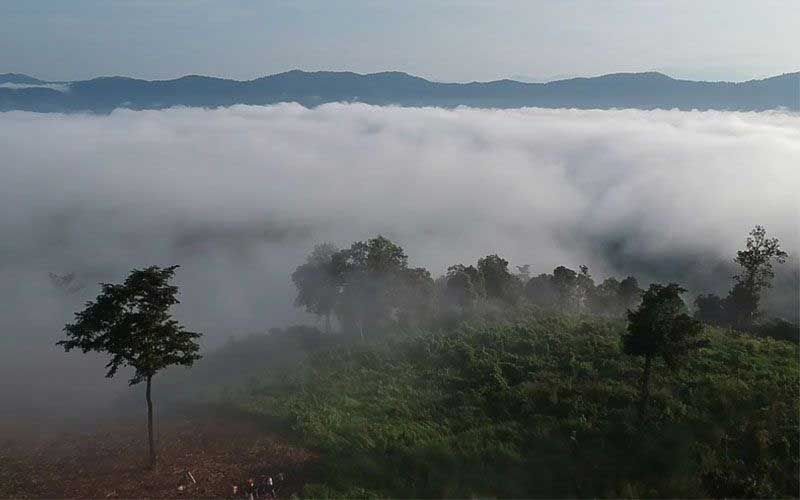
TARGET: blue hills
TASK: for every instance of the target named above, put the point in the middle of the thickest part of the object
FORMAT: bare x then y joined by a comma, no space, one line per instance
650,90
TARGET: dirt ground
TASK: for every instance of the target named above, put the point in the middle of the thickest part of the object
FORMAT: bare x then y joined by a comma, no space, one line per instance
108,459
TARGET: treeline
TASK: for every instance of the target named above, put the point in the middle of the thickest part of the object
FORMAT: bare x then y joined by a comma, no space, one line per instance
513,385
370,286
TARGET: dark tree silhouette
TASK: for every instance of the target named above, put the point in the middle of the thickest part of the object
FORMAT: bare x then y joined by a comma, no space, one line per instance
661,328
755,262
711,309
132,323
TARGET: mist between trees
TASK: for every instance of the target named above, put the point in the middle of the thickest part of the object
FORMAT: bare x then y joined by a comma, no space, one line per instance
238,196
493,382
370,285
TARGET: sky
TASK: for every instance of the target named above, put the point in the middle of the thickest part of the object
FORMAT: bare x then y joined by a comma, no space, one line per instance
443,40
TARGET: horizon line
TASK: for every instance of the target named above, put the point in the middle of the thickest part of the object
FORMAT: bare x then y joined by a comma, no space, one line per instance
401,73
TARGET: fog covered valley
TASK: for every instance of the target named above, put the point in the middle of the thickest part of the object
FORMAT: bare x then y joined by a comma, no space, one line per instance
426,375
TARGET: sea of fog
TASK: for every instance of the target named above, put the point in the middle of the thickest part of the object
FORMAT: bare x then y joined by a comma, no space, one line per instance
238,196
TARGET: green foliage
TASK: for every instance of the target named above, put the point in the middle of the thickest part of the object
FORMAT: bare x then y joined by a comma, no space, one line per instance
484,383
367,286
541,405
132,323
660,326
779,329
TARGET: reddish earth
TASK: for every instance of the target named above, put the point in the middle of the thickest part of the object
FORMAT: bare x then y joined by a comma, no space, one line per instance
110,460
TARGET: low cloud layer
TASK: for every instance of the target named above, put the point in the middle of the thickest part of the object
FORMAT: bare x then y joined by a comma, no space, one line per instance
60,87
238,196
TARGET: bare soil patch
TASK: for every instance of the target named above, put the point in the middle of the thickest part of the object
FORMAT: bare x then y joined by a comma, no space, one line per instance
109,459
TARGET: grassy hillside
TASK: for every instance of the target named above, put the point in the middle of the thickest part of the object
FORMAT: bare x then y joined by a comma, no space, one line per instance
544,406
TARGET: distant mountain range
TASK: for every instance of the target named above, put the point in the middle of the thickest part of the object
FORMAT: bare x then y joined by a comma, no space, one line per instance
620,90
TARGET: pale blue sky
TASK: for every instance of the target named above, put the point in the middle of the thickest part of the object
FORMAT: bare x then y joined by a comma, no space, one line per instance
444,40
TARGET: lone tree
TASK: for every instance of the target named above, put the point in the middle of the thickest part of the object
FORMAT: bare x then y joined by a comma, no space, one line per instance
756,274
132,323
741,307
660,327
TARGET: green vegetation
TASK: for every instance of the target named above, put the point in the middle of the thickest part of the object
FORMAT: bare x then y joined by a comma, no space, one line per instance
485,383
544,406
493,384
660,327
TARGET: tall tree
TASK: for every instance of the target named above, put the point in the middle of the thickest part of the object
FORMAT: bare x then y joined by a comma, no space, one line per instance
132,323
661,328
756,274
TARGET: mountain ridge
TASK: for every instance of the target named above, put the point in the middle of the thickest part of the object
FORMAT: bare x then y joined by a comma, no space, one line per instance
645,90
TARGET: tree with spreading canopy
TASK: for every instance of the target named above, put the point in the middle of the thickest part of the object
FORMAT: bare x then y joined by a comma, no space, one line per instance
132,323
660,327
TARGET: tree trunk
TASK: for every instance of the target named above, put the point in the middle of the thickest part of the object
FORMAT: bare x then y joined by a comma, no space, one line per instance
150,442
645,391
